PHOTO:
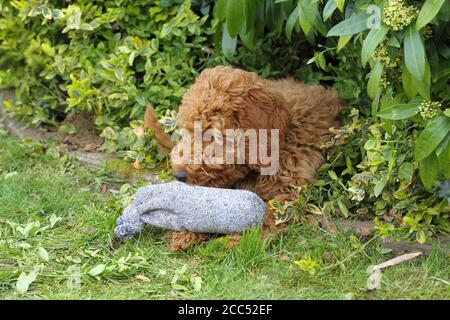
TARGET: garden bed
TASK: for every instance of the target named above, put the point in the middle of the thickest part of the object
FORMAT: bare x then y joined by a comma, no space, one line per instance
97,160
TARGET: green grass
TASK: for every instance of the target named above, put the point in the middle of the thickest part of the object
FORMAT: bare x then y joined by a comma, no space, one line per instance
38,186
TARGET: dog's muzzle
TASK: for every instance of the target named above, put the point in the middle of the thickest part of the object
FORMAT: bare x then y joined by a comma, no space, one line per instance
180,175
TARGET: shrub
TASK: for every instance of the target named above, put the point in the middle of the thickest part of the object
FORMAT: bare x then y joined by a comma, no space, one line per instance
105,57
388,59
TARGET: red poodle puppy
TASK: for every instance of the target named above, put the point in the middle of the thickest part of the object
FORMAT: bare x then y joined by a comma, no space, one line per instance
279,126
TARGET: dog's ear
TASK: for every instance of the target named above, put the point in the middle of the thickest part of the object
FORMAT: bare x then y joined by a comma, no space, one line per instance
264,109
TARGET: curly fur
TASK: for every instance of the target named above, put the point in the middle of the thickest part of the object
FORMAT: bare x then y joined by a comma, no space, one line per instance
228,98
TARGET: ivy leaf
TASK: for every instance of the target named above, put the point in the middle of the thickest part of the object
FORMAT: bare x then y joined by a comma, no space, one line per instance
24,281
429,10
355,24
414,53
435,131
374,279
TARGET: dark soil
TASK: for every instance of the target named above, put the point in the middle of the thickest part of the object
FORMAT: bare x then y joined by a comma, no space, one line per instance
87,138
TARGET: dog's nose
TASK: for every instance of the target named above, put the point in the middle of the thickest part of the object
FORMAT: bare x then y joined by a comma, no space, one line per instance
180,175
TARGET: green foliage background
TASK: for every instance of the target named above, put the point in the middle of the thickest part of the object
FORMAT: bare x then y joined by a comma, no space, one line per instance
391,157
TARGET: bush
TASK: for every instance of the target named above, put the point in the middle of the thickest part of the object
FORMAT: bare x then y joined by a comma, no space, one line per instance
388,59
104,57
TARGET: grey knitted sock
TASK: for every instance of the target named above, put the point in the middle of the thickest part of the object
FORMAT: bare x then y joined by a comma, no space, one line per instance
181,207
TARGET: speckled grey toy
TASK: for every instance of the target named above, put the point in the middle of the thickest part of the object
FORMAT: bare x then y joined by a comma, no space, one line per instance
181,207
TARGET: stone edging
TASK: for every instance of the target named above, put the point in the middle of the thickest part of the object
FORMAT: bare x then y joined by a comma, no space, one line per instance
90,159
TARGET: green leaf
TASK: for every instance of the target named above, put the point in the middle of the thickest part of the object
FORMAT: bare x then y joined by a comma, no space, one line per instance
197,283
376,102
428,11
250,8
342,42
400,111
57,14
24,281
234,16
95,271
328,10
443,155
47,13
228,43
307,11
393,42
373,39
131,58
340,4
333,175
220,9
119,74
406,172
179,287
420,237
43,254
429,170
248,39
435,131
414,53
424,85
408,83
290,24
355,24
343,208
141,100
54,220
374,81
381,184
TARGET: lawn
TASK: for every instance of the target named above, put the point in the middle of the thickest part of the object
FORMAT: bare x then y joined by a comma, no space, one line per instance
56,235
